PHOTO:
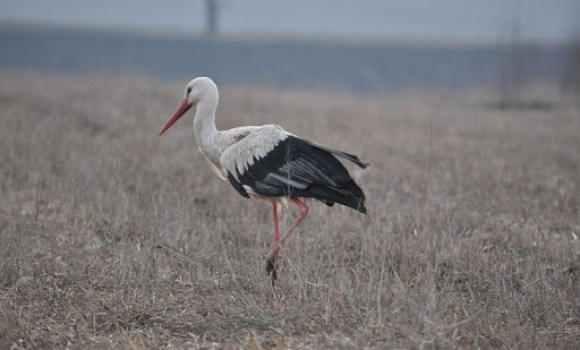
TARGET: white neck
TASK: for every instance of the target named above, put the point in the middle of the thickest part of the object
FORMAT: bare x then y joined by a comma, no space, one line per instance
204,121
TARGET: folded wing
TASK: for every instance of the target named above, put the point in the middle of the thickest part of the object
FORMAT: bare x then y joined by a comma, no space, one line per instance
270,162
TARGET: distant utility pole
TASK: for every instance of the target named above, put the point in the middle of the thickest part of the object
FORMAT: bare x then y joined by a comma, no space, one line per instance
212,8
570,81
512,61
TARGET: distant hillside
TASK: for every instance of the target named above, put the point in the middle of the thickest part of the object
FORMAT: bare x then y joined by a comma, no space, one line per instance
357,67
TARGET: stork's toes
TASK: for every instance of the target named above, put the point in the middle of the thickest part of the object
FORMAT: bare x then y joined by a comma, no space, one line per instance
271,268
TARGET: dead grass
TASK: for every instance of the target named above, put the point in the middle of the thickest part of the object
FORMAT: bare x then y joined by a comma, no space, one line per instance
113,238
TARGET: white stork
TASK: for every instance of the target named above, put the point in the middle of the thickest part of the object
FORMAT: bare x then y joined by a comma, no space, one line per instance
268,163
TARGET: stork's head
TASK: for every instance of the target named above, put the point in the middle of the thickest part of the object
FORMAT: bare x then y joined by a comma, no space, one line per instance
198,90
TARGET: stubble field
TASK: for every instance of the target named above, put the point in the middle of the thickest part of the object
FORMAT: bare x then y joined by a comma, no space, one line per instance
114,238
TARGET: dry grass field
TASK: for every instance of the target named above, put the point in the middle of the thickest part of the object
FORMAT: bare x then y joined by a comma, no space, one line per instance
113,238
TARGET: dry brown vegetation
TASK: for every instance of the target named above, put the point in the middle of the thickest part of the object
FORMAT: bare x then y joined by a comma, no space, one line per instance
114,238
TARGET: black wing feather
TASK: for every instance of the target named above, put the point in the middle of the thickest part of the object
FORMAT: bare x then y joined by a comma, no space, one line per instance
297,167
238,186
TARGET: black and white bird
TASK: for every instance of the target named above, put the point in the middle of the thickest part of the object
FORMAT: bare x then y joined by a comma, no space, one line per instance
268,163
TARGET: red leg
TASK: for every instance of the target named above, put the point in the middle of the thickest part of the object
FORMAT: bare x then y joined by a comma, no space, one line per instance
277,243
273,255
276,229
271,261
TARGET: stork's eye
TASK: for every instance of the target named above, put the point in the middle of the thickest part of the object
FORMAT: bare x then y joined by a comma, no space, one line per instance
188,91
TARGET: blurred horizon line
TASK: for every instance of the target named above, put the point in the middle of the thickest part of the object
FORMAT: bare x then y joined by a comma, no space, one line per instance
280,36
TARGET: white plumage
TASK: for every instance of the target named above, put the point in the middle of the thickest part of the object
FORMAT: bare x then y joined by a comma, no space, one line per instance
268,163
253,147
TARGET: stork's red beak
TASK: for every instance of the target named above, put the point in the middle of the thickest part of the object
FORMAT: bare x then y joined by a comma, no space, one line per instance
184,106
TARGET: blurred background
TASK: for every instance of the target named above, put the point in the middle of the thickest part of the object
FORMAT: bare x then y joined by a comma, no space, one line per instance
360,47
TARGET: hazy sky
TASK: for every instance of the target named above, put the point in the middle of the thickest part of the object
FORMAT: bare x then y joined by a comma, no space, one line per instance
424,19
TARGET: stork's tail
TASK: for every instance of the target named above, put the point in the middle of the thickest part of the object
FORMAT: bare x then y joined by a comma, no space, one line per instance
349,194
342,154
